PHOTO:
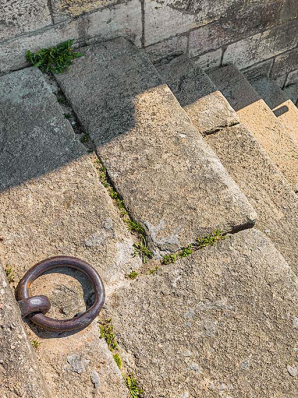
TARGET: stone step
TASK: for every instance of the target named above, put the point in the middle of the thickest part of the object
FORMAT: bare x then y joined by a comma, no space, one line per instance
52,203
197,94
260,120
221,323
292,92
170,180
20,375
244,159
279,103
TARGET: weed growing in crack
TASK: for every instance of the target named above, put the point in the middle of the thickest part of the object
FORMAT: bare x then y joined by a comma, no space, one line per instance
153,271
135,227
61,97
132,275
210,240
35,343
55,59
9,273
118,361
142,250
67,116
84,139
133,386
107,333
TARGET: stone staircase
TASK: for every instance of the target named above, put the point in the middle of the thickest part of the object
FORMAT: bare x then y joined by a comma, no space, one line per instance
176,154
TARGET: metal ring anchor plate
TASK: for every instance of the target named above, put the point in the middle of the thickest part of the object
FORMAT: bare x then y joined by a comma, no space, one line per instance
35,307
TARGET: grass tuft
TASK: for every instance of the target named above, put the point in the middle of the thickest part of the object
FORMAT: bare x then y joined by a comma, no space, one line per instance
118,361
35,343
107,333
9,273
142,250
133,386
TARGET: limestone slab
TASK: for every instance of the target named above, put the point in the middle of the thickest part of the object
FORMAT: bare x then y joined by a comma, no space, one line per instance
19,17
279,103
221,323
262,46
197,94
260,120
170,180
264,186
52,203
20,375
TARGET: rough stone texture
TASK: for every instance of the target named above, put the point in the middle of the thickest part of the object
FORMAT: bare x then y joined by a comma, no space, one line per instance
262,46
119,20
292,78
263,185
285,63
19,373
258,70
217,324
13,52
63,9
279,103
18,17
260,120
292,93
204,104
52,203
209,60
164,19
167,49
170,180
236,25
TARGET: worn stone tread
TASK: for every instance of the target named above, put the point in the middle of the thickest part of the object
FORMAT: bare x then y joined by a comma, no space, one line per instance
170,180
203,102
52,203
20,375
279,103
221,323
260,120
264,186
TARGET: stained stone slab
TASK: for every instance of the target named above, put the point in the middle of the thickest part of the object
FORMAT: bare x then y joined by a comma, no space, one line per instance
205,105
170,180
19,17
20,375
52,203
260,120
264,186
279,103
222,322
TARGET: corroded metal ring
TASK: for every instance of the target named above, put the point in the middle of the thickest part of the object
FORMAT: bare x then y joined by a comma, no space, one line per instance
35,307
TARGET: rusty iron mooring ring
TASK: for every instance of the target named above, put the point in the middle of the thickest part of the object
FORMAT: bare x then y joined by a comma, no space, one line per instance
35,307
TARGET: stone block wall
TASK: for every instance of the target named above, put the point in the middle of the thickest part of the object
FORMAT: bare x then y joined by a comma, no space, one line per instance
261,35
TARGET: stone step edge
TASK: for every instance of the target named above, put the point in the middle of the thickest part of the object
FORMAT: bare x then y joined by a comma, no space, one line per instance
18,356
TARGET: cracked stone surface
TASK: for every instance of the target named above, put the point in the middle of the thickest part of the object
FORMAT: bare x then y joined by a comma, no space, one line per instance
264,186
52,203
20,375
260,120
205,105
218,323
170,180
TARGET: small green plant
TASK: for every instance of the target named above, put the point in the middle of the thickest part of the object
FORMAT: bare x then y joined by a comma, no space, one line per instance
133,386
9,273
210,240
186,251
118,361
61,98
67,116
152,271
54,59
169,259
141,249
35,343
133,275
85,138
107,333
135,227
